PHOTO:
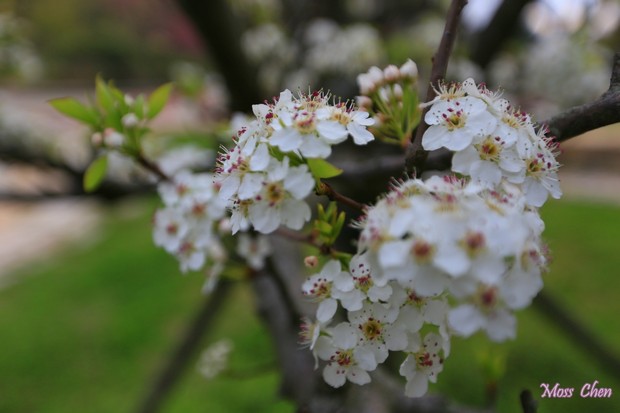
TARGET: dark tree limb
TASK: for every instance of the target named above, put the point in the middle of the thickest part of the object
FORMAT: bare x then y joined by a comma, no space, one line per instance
218,26
304,385
297,366
490,40
416,155
186,348
528,403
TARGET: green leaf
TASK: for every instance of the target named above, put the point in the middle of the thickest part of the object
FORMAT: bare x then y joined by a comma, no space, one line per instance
95,173
339,223
157,100
324,228
138,106
320,168
104,95
75,109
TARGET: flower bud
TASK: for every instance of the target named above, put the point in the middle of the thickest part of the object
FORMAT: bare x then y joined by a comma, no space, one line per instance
97,139
391,73
129,100
409,70
365,83
397,92
364,102
112,139
376,75
130,120
311,261
384,94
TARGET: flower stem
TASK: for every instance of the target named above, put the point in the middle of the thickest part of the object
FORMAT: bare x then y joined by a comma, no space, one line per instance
325,189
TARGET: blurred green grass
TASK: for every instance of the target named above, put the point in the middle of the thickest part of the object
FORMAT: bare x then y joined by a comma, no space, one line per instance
88,330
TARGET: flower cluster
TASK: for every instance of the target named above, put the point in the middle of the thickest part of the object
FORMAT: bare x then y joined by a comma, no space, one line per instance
435,258
390,95
186,226
492,141
265,177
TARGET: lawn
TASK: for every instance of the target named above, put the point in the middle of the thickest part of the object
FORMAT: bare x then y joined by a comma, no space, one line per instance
87,330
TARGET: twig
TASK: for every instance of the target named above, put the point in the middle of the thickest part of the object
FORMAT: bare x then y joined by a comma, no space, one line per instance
326,189
185,349
151,166
416,155
297,237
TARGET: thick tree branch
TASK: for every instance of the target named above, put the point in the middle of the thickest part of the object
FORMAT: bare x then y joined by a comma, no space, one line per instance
185,349
303,384
416,155
217,25
489,41
299,379
528,403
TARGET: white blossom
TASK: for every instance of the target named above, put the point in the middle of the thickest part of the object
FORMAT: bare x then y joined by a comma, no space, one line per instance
422,365
254,250
345,361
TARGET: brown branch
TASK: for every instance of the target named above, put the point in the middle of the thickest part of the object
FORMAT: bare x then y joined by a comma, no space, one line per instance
528,403
181,355
602,112
297,237
325,189
304,385
282,287
489,41
219,27
416,155
297,366
151,167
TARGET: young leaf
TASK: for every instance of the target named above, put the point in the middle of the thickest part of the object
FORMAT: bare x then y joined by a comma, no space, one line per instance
105,99
95,173
75,109
157,100
320,168
138,106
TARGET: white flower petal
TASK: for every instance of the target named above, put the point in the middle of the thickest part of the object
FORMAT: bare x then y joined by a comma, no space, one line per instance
332,131
326,310
465,320
358,376
417,386
260,159
334,375
286,139
360,135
